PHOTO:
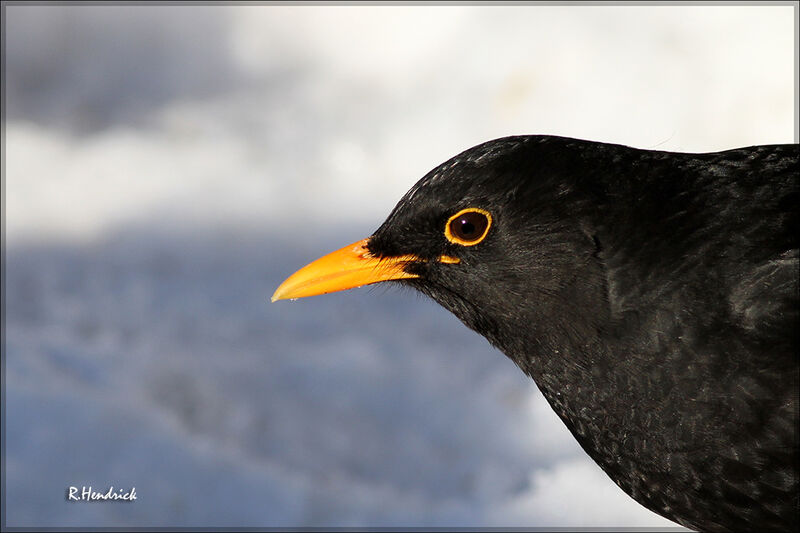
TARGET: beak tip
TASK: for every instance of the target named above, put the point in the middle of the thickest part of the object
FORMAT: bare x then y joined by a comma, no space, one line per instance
278,294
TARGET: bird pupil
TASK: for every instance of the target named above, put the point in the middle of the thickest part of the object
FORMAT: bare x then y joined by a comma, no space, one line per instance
467,228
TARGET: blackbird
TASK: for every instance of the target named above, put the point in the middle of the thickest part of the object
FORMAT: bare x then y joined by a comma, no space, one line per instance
651,295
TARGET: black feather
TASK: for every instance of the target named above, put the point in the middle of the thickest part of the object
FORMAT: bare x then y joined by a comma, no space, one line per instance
652,296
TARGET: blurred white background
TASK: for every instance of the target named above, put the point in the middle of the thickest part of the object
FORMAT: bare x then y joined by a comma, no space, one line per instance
166,167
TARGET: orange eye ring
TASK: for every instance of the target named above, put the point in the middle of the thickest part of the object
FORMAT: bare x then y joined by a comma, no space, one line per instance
468,227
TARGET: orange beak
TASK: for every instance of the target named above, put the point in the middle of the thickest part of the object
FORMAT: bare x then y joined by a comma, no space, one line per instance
347,268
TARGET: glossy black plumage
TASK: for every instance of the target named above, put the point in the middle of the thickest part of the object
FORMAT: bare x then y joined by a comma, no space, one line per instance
652,296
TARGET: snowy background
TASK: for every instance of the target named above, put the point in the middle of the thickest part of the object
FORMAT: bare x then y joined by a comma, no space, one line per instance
167,167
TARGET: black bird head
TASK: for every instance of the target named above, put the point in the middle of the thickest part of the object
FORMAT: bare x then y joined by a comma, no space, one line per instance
496,235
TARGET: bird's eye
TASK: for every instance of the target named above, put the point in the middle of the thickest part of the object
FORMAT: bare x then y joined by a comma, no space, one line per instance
468,227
